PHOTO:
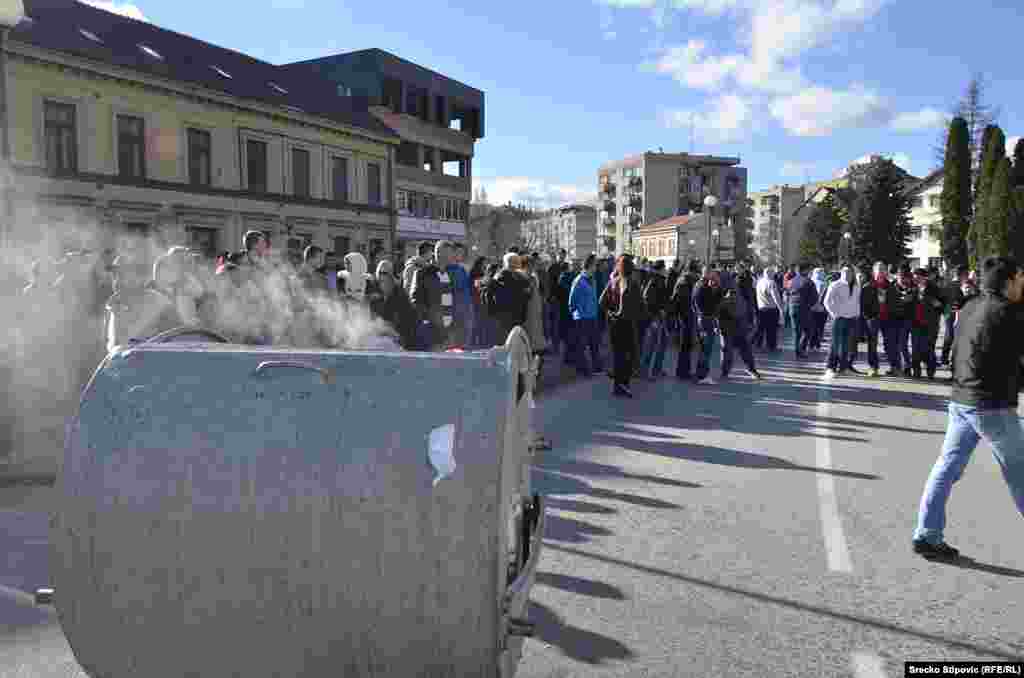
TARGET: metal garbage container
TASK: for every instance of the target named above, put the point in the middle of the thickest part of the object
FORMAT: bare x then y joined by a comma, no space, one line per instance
256,512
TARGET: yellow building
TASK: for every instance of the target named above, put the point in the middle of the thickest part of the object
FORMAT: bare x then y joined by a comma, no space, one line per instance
118,128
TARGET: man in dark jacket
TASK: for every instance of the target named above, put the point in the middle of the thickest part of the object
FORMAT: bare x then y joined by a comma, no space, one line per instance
707,297
987,354
926,311
956,297
655,337
733,318
507,296
390,303
802,297
901,314
433,298
681,305
556,301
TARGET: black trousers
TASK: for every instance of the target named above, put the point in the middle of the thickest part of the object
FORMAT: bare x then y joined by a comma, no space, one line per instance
624,350
686,340
768,328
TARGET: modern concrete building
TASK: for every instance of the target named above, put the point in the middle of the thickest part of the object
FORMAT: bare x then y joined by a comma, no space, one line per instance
572,228
777,227
926,221
685,238
649,187
438,121
119,128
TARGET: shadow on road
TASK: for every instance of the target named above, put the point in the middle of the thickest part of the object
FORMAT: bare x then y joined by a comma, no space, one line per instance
584,587
677,448
549,482
575,466
576,643
856,619
965,563
577,506
572,531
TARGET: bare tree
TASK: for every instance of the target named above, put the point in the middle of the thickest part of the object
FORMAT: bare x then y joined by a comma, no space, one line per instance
979,114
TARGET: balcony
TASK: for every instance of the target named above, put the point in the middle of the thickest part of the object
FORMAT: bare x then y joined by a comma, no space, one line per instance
609,206
635,220
418,176
636,182
636,202
608,191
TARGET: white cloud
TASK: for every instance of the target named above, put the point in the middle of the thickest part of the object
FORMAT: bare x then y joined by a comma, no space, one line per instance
901,160
728,120
797,170
533,192
123,8
915,121
819,111
774,35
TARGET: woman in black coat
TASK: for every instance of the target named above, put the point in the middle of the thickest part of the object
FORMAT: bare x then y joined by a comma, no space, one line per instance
390,303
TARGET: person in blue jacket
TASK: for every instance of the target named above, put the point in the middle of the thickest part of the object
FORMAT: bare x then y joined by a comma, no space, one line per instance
584,310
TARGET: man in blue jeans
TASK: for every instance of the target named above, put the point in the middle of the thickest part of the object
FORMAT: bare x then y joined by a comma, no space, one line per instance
707,298
583,307
986,360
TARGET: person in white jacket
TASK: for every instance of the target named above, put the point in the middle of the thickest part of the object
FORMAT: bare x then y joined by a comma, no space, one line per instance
769,310
842,301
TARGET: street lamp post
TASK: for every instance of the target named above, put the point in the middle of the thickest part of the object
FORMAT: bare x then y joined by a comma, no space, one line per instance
848,244
693,250
709,205
715,234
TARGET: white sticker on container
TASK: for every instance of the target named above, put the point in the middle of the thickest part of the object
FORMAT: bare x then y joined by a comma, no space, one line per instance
441,444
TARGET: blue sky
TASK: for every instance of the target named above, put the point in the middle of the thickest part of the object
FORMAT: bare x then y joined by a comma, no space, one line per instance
796,88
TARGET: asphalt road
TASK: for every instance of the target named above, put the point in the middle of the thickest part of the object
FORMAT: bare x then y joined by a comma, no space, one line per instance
744,529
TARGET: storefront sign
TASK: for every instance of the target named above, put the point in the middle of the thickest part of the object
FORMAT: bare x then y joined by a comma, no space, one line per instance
420,227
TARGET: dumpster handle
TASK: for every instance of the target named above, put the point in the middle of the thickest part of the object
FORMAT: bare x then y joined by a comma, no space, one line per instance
326,375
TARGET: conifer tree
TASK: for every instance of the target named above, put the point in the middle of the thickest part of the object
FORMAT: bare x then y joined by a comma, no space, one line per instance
956,195
881,226
994,152
998,212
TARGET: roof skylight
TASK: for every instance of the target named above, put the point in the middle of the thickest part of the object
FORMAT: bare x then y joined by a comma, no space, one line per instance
221,72
149,51
89,35
277,88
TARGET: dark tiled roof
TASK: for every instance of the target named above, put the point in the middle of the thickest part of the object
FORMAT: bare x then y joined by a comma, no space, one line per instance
59,24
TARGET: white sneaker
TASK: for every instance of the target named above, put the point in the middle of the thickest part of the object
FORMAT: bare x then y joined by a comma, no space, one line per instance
830,374
707,381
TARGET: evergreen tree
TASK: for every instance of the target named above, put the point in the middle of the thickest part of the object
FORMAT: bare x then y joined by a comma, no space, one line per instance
881,225
956,195
994,152
1017,175
824,232
998,212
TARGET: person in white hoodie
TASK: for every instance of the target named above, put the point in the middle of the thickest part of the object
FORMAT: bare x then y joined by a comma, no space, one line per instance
770,310
842,301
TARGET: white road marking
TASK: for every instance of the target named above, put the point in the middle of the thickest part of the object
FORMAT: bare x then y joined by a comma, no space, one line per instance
867,665
835,540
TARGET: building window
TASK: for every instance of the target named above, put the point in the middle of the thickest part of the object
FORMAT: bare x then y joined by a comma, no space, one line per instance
373,192
402,197
61,138
199,157
408,154
203,240
256,165
934,201
917,202
342,246
131,147
339,178
300,172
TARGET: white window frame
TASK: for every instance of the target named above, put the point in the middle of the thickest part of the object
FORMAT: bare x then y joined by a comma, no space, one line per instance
271,140
117,109
402,203
82,156
184,161
289,178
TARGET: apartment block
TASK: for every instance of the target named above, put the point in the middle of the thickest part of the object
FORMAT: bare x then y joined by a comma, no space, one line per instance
926,222
122,132
438,120
572,228
777,224
643,189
